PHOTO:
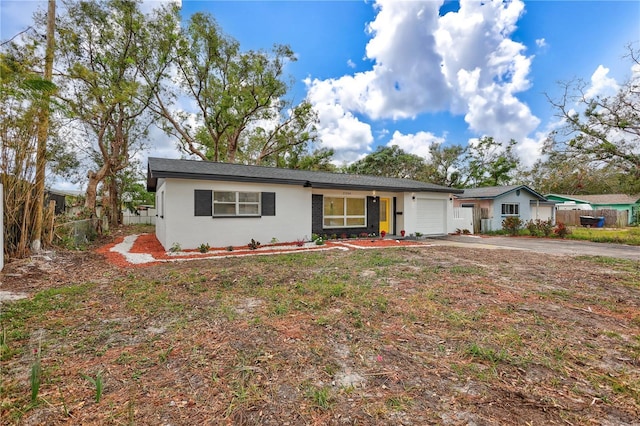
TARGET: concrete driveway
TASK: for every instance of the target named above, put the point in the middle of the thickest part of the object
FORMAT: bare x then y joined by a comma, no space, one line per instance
542,245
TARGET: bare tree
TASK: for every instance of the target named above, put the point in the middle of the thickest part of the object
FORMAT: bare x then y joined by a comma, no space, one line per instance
605,129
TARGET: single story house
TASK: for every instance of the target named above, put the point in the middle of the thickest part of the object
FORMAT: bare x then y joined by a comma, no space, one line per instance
221,204
500,202
624,202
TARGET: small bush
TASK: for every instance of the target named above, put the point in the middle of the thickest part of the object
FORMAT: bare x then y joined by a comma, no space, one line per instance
176,247
512,225
539,227
561,230
204,247
253,245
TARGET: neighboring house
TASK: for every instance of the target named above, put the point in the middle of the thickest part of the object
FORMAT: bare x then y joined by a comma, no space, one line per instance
504,201
629,203
221,204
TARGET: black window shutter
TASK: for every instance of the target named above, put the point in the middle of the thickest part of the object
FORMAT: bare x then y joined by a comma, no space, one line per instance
268,204
203,202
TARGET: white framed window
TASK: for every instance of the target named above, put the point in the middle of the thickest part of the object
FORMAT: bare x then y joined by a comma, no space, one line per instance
511,209
344,212
236,203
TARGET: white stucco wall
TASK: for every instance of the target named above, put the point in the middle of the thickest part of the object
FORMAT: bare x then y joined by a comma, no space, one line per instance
161,224
523,198
179,224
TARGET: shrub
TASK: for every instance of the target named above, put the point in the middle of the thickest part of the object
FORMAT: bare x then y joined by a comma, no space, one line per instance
204,247
539,227
561,230
546,227
512,225
253,245
532,228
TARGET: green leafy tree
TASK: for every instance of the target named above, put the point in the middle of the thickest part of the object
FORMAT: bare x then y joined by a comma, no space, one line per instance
561,173
241,114
489,163
603,129
445,165
100,46
24,96
390,161
302,159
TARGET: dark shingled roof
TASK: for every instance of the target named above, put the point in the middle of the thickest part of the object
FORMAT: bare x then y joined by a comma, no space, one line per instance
207,170
491,192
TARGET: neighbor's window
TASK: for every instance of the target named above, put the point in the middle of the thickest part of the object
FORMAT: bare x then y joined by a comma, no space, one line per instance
345,212
512,209
236,203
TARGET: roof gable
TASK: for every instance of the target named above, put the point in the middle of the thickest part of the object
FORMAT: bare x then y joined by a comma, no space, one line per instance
492,192
207,170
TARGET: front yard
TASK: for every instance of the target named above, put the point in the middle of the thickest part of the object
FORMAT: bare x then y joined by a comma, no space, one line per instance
630,235
414,336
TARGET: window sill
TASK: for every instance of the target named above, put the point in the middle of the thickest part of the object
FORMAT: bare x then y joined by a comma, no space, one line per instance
236,217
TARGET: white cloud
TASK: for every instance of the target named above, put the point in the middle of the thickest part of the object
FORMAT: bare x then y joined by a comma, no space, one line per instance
417,143
351,64
541,42
601,83
464,62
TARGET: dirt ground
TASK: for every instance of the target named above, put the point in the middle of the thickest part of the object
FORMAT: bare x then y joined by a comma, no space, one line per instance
393,336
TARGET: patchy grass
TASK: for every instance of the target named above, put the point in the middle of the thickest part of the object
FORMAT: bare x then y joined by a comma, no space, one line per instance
629,235
434,335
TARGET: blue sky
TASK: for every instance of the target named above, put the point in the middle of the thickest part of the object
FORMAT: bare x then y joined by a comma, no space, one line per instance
409,73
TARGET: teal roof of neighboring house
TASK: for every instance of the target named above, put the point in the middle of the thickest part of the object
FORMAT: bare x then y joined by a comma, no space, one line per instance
208,170
599,199
491,192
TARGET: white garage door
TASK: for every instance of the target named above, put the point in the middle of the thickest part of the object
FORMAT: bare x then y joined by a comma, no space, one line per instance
541,212
431,217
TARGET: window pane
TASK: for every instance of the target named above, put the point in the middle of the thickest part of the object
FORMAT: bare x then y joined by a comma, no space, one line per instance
222,196
383,210
511,209
333,206
355,206
355,221
248,208
253,197
224,209
331,222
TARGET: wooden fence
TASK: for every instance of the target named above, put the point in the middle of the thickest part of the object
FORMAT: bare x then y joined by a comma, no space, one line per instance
612,218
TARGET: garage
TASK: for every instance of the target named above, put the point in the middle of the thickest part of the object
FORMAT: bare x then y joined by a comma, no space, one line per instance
431,216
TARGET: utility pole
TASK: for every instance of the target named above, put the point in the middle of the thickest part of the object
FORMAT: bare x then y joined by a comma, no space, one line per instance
43,131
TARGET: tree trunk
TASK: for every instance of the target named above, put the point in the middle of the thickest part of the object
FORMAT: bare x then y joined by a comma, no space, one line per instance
43,132
92,188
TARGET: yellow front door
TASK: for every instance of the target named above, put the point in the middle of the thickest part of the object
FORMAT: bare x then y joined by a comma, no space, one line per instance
385,206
